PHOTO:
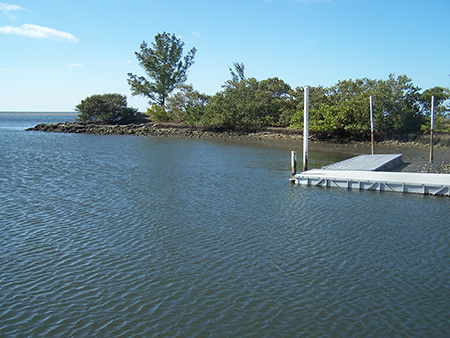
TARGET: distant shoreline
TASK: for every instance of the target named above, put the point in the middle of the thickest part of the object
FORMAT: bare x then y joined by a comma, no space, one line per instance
415,154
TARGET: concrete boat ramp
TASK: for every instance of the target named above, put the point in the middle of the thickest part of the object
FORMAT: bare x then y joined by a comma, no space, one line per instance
371,172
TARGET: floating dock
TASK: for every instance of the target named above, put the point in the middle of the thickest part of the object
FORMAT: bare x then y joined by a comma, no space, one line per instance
369,172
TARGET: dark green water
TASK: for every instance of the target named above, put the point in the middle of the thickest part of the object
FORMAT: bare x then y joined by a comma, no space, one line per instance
118,236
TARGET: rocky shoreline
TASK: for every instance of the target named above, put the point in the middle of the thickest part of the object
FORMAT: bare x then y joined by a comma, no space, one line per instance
162,129
415,154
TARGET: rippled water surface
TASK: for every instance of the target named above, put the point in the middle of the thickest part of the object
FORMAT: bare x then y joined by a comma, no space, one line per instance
118,236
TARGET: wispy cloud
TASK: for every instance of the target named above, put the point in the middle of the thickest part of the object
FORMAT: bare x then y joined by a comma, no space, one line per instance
76,65
196,34
7,9
9,70
35,31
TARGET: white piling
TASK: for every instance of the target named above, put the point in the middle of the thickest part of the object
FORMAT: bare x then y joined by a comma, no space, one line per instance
372,125
432,129
305,130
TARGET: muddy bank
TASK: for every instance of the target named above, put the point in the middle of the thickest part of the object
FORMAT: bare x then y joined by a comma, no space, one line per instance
415,154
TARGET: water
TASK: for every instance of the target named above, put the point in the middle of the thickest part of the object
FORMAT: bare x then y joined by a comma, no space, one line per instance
122,236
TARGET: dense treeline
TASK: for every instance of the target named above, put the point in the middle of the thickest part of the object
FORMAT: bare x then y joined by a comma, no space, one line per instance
399,105
340,110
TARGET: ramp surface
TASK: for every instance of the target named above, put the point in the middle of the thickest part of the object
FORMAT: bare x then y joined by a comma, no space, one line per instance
381,162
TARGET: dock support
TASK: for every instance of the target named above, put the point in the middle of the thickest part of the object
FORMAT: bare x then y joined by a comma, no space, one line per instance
372,125
432,129
305,129
293,164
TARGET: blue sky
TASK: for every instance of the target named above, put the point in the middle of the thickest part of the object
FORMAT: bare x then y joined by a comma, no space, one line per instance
54,53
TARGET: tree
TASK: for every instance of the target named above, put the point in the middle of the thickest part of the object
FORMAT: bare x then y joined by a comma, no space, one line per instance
441,108
105,108
292,115
273,97
186,105
247,102
164,65
351,97
238,75
396,105
441,104
344,107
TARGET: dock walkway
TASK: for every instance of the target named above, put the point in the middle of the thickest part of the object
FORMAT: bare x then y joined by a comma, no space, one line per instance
368,172
382,162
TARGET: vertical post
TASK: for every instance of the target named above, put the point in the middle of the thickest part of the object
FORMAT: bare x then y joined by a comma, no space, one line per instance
293,164
305,130
371,125
432,129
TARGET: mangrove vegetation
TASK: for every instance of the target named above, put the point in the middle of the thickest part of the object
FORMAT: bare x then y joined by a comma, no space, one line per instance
244,102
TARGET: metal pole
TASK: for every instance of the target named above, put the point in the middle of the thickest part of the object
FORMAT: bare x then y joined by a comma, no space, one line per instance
371,125
305,130
432,129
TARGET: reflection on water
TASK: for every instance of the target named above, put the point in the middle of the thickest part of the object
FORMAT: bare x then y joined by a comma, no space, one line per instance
132,236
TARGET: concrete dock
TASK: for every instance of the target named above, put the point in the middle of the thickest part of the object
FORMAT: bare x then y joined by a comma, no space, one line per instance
369,172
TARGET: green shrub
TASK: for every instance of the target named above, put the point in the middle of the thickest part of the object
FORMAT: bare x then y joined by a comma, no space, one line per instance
105,108
158,114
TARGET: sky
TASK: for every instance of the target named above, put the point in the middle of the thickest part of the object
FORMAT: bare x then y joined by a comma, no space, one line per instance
55,53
